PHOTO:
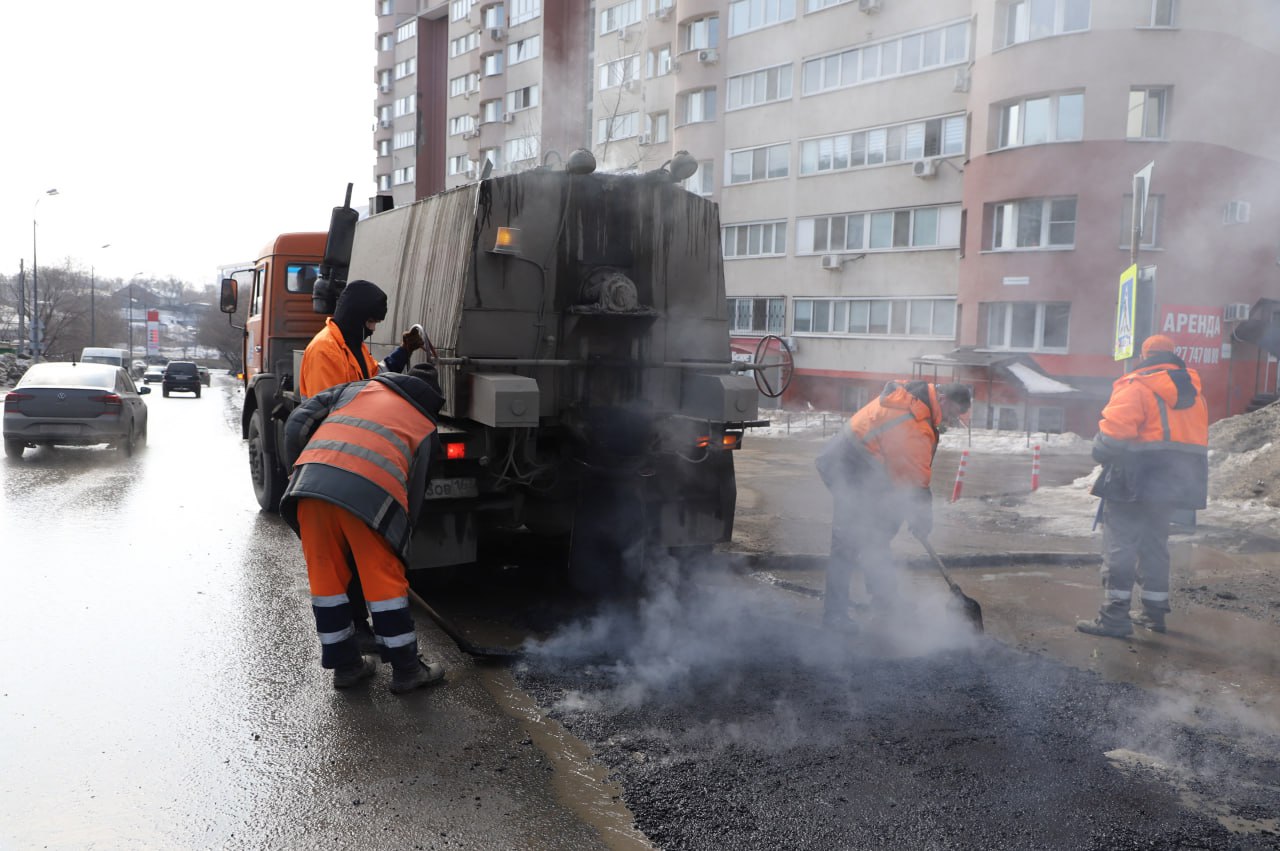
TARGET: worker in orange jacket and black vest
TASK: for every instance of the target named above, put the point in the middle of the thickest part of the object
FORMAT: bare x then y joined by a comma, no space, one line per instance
1152,443
362,453
338,354
878,471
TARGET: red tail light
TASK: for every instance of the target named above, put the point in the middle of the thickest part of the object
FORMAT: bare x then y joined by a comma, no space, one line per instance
111,402
732,441
13,399
454,451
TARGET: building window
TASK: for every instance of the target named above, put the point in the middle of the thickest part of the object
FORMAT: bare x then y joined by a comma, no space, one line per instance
459,9
1035,121
461,124
384,80
461,164
520,11
757,315
384,182
521,148
1033,223
764,86
1147,109
404,139
656,6
766,163
918,227
385,42
384,147
898,317
406,68
1150,222
406,31
1162,13
658,61
525,98
491,63
465,83
657,126
464,44
700,34
622,126
406,105
921,51
819,5
494,17
620,71
1025,325
402,175
524,50
702,181
385,7
491,111
759,239
748,15
697,105
492,156
384,115
1027,20
616,17
878,145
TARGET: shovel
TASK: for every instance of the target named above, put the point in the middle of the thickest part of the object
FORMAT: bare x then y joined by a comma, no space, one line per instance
972,610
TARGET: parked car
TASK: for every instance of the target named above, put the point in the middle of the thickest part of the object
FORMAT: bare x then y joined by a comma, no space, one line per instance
153,373
204,375
181,376
74,404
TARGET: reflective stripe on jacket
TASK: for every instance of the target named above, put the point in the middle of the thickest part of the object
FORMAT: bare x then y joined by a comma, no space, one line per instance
1153,436
368,451
900,430
328,362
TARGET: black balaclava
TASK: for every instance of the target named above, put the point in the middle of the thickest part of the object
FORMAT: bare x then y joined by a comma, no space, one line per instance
360,301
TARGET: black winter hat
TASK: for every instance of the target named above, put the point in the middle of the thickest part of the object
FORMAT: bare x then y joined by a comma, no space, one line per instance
957,393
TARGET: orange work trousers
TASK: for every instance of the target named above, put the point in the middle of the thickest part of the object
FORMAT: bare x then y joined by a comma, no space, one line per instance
329,534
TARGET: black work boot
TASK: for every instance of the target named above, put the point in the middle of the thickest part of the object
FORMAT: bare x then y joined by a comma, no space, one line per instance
351,675
1152,619
1112,622
420,674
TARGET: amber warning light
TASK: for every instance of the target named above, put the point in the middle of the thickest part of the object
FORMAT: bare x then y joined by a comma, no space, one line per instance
507,242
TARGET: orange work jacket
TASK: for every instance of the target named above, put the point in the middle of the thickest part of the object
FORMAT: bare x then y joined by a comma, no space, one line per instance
900,429
328,362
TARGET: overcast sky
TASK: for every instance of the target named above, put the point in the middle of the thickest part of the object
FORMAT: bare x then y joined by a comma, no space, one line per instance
186,136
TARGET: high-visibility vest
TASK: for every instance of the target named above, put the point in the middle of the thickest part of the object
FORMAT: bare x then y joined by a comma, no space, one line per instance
900,431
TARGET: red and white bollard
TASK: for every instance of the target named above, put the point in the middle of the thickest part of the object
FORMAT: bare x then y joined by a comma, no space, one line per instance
1035,468
955,491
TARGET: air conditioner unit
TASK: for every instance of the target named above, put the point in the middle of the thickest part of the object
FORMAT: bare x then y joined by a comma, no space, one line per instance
1236,213
675,66
962,80
384,122
1235,313
663,14
630,85
831,262
508,117
625,33
924,168
467,94
497,33
471,134
385,88
869,6
645,139
709,56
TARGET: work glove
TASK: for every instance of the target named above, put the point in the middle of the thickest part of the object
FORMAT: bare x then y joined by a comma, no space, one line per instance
920,521
413,339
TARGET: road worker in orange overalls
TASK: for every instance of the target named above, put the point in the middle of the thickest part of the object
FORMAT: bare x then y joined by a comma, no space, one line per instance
878,470
1153,445
338,354
362,453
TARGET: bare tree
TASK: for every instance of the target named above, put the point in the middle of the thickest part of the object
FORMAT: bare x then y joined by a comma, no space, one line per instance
216,332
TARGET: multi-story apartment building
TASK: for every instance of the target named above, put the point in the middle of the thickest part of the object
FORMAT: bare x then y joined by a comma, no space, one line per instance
936,187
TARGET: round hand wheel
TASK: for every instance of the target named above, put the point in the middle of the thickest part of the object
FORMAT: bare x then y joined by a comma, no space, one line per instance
774,353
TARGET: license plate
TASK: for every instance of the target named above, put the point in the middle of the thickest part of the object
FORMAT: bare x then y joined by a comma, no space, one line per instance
459,488
57,430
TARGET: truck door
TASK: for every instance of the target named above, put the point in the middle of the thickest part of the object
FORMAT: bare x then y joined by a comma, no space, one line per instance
253,324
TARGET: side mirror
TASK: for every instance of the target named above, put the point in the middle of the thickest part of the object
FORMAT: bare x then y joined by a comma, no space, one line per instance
230,297
144,390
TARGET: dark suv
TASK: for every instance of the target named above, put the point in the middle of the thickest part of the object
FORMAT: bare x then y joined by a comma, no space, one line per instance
181,376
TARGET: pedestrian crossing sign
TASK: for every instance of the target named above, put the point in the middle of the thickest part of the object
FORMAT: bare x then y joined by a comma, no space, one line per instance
1126,308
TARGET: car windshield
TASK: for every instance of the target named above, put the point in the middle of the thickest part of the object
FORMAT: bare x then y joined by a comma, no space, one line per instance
182,368
107,359
69,375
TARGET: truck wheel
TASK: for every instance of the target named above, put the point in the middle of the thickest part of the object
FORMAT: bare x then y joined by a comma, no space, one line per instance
268,479
14,448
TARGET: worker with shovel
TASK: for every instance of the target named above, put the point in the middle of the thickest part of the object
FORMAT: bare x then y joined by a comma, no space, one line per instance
878,470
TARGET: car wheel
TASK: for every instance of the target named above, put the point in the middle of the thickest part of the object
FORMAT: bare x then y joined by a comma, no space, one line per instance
14,448
269,479
165,392
197,393
127,445
142,438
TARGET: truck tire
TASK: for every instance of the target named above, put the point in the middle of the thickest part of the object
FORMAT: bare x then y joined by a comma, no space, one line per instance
269,479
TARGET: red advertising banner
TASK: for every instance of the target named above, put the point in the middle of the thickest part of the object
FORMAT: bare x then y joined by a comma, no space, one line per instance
153,332
1197,332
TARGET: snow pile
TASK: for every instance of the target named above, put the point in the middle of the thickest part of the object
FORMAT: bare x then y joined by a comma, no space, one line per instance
11,368
1244,457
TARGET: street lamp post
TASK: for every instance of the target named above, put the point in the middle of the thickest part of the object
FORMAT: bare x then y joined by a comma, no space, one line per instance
131,280
93,310
35,288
